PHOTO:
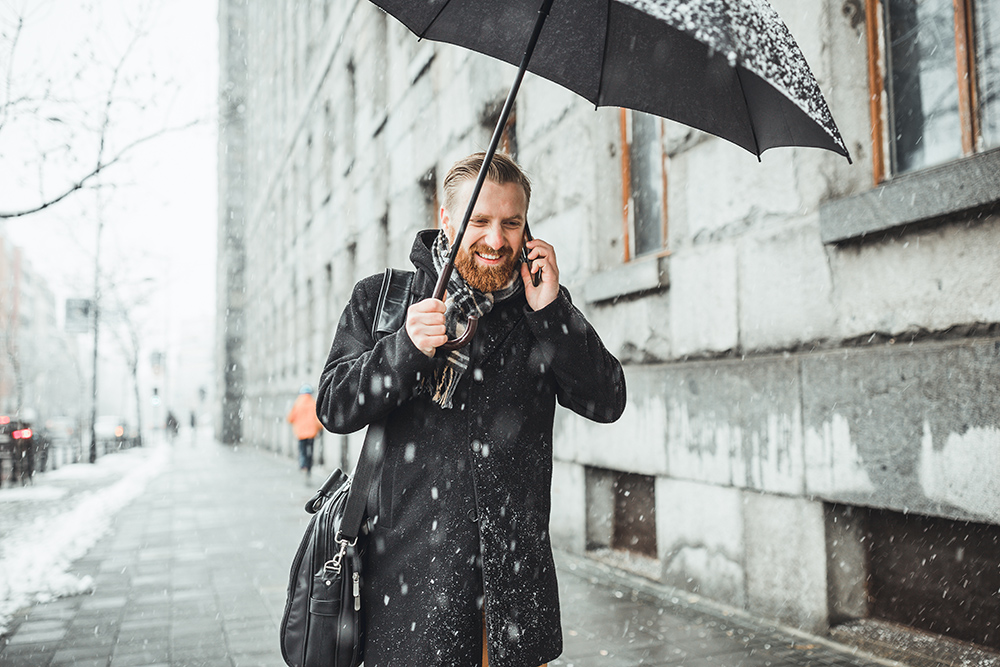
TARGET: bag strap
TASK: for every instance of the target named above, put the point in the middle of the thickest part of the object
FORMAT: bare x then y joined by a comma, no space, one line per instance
372,452
393,300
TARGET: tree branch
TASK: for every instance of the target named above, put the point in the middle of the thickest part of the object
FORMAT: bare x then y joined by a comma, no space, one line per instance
10,71
100,167
101,130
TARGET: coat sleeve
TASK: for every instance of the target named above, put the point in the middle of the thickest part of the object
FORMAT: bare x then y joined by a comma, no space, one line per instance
363,380
589,379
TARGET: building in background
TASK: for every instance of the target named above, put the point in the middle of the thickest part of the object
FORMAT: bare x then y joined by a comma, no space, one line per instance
812,348
40,373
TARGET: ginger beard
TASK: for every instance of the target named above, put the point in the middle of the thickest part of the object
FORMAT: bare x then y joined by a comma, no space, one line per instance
486,278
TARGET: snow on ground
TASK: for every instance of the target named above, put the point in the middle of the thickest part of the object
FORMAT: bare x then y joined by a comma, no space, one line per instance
35,493
35,559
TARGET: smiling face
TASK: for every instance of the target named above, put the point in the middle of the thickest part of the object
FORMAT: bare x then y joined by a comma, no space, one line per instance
492,243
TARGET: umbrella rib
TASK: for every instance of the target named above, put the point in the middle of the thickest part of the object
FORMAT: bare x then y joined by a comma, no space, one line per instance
746,105
604,56
444,5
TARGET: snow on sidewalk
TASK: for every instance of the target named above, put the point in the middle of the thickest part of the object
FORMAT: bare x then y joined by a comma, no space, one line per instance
35,558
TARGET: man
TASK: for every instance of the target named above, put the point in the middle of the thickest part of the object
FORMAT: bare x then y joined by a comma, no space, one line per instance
305,426
461,534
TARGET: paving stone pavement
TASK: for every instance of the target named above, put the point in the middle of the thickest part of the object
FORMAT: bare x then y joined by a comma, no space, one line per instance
193,574
612,619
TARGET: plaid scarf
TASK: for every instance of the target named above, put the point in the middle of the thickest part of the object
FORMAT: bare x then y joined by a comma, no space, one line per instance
461,302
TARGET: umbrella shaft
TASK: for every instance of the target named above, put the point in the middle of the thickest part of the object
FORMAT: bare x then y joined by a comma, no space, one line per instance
442,283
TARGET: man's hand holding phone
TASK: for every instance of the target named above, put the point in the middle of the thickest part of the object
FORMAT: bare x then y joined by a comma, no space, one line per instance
542,258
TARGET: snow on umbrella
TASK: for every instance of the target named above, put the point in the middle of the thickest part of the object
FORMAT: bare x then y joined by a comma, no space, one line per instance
728,67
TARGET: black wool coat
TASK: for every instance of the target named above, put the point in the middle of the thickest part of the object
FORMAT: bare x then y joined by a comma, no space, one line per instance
462,524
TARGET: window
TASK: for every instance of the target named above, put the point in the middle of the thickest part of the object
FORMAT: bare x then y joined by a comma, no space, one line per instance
310,328
621,512
644,184
942,81
934,574
428,188
508,138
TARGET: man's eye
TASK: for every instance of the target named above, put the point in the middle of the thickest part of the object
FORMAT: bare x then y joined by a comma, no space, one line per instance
512,224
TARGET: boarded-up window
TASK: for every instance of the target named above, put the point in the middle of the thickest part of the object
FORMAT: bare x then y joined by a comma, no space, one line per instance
936,575
621,511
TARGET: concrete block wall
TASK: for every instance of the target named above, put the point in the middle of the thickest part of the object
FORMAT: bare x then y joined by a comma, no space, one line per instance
775,381
758,461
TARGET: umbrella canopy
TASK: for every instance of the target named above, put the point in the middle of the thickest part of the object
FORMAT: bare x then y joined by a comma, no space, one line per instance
727,67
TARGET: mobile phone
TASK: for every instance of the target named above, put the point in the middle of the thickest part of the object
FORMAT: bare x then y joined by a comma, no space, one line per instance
536,278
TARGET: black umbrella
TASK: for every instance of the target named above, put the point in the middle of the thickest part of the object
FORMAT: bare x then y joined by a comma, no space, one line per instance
727,67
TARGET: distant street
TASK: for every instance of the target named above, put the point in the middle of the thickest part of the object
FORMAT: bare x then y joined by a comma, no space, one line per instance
193,570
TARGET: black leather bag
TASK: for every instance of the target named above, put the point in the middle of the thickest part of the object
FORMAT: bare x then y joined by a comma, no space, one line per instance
323,625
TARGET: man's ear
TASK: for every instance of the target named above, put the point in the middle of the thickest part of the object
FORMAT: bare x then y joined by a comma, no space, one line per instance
444,222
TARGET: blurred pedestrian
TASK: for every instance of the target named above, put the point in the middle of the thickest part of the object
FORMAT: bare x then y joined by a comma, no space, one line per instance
305,426
172,424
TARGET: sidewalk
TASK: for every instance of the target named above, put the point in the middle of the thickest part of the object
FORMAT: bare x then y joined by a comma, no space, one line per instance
612,619
193,573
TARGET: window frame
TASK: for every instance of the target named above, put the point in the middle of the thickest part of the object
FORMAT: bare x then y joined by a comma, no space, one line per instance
933,195
628,222
879,102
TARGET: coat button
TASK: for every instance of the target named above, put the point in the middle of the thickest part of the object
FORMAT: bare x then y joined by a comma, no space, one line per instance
472,515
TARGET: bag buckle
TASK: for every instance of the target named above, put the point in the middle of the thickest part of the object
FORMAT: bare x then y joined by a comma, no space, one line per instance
334,563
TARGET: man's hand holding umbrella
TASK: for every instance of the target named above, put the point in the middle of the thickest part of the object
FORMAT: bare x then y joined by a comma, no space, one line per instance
425,325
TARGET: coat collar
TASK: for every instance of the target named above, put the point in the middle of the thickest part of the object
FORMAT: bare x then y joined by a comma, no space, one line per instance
420,253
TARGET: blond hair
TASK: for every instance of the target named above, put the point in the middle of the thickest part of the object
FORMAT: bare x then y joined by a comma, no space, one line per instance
502,170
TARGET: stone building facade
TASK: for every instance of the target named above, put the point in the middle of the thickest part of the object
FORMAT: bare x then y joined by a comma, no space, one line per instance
812,347
40,373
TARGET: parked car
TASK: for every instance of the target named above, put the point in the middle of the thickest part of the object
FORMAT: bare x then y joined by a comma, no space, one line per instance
63,433
17,450
111,433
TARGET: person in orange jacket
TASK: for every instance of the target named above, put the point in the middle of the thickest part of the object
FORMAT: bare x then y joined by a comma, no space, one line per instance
305,426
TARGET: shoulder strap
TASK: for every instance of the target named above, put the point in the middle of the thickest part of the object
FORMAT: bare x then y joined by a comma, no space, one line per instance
393,300
357,498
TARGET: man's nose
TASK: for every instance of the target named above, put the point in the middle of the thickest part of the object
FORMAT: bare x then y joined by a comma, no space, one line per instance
494,237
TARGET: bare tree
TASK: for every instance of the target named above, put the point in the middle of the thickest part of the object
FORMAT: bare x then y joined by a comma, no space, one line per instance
12,352
70,135
129,337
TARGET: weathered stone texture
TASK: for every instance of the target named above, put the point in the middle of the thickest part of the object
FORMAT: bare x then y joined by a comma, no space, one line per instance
914,429
704,308
785,289
568,522
635,442
736,424
700,536
927,280
786,560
